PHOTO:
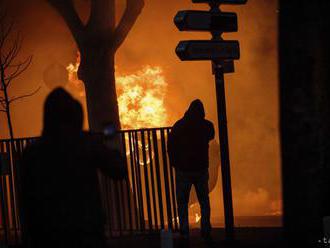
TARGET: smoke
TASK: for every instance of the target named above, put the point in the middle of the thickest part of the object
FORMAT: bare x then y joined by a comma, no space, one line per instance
252,91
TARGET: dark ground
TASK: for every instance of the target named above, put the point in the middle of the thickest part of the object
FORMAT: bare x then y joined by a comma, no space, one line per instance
245,237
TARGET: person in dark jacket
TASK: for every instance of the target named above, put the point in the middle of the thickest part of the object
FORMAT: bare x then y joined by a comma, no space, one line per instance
188,145
61,202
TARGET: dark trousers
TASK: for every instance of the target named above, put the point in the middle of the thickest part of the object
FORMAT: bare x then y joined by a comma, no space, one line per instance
184,181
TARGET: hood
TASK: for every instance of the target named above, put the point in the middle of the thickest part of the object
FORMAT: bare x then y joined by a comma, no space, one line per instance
63,115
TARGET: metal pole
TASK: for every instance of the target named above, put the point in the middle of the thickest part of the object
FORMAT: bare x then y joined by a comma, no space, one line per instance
224,151
223,136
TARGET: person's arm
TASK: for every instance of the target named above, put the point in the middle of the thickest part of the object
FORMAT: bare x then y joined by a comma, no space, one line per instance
171,146
111,162
211,130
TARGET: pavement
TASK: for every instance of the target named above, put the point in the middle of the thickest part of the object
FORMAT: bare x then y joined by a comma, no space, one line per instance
244,237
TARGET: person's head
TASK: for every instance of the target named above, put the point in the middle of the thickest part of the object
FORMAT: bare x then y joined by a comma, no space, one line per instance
63,115
196,110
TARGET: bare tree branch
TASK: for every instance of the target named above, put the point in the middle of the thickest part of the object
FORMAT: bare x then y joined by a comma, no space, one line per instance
20,68
24,96
3,104
13,52
132,12
5,30
9,70
67,10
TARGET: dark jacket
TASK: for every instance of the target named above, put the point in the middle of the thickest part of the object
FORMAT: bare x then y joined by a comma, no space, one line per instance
59,174
189,139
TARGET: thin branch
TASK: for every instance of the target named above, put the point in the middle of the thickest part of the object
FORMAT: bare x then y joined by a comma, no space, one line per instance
13,52
3,104
24,96
67,10
132,12
5,31
19,70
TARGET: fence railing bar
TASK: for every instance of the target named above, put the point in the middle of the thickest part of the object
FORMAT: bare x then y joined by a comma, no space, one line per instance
153,186
166,181
173,192
4,210
118,206
127,185
11,179
146,179
133,175
138,179
159,185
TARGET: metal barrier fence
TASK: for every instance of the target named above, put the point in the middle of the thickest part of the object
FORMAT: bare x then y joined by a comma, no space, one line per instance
144,203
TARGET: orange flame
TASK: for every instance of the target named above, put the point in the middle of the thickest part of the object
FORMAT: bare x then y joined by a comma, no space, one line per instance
74,82
140,96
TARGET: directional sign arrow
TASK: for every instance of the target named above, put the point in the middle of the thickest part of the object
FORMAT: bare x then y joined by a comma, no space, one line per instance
221,1
194,20
208,50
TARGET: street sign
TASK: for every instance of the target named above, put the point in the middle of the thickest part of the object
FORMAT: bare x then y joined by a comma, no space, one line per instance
208,50
221,1
194,20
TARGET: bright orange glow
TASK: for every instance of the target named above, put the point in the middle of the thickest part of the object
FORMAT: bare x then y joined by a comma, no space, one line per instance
140,96
197,217
74,82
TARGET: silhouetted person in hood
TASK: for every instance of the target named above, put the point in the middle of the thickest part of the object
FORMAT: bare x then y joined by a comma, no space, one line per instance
188,145
61,201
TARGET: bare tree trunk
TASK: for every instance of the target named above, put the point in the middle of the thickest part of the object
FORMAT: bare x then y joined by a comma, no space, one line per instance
97,69
6,102
101,97
98,41
8,114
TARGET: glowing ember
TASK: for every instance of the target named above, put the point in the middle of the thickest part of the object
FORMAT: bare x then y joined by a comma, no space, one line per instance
197,217
140,96
74,82
194,216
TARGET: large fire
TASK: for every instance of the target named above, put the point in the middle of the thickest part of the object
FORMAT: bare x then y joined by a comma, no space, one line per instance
140,96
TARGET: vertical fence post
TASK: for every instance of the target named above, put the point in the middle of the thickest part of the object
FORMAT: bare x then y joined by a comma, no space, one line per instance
133,175
159,183
166,181
4,208
146,178
138,180
127,184
175,212
153,186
